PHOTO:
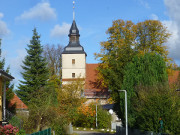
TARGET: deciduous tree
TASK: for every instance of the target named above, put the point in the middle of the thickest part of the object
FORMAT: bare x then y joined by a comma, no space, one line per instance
151,37
53,58
127,40
145,70
116,53
155,102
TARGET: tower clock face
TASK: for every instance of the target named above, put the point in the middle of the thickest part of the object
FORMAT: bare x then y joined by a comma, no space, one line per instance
73,31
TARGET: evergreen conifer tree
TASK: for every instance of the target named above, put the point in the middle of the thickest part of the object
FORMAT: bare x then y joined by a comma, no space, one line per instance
35,72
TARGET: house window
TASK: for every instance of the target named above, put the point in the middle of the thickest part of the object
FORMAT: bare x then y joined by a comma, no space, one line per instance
73,61
73,75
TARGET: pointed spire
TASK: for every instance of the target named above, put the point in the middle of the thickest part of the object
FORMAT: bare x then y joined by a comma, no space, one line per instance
74,30
73,10
74,46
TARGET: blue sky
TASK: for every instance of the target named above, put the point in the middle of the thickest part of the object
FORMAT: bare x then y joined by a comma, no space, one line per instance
53,18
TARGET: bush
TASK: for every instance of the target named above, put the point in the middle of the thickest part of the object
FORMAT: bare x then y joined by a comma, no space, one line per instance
21,132
103,118
8,130
59,130
85,116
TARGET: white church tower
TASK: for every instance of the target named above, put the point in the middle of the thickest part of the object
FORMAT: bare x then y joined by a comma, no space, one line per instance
73,56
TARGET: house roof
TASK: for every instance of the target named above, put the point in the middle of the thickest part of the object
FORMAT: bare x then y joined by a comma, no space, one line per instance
19,104
93,88
173,78
5,75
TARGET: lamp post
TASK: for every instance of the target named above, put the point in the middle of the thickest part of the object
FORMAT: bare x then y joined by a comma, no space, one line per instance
96,115
125,109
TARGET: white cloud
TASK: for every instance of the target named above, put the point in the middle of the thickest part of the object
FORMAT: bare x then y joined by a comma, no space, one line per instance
15,64
1,15
42,11
173,7
59,31
144,3
3,27
15,60
173,41
154,17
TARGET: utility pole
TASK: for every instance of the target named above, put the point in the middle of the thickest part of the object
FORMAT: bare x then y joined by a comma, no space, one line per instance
96,115
125,110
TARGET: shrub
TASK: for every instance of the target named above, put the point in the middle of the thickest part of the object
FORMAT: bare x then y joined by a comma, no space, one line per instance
103,118
21,132
8,130
86,116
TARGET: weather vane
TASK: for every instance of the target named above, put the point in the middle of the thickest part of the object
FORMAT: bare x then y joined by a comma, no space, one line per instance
73,10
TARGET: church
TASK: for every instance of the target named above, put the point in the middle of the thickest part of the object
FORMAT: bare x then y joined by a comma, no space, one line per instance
74,66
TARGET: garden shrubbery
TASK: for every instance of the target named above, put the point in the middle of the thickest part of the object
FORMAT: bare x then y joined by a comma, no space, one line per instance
104,118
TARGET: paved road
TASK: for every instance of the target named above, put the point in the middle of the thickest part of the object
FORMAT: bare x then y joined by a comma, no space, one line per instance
91,133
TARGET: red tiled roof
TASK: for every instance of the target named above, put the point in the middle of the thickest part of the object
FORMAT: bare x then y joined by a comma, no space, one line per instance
173,78
92,86
19,104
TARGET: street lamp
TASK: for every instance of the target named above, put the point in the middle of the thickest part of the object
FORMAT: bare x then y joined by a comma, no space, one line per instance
96,115
125,109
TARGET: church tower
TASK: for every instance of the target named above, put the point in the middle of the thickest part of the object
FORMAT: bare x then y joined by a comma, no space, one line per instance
73,56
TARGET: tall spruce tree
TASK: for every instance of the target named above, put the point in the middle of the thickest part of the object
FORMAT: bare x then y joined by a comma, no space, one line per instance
35,72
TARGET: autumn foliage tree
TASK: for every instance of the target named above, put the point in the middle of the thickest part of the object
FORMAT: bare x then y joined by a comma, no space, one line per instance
69,99
126,42
116,53
86,115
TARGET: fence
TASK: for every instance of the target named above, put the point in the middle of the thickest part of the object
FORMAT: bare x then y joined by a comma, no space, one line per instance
122,131
44,132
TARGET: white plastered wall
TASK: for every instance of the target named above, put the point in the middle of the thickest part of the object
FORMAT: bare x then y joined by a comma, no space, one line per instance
79,68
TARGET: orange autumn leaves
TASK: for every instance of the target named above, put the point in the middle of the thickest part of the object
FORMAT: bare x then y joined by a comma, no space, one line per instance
87,110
